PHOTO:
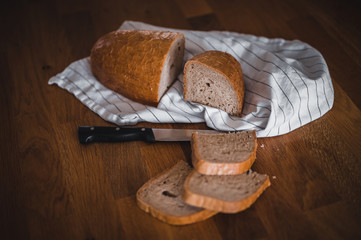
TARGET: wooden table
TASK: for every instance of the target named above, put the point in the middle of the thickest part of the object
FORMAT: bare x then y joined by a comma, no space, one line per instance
54,188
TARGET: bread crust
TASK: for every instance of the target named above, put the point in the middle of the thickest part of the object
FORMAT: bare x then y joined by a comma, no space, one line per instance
174,220
130,62
226,65
196,217
220,205
221,168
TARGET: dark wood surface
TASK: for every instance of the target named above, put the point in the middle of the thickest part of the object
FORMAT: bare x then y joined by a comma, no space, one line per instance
54,188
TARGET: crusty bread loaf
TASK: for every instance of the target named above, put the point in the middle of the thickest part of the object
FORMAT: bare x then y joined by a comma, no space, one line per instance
162,197
140,65
215,79
225,153
226,193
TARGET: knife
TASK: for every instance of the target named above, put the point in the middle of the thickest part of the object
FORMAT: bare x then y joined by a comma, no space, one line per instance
90,134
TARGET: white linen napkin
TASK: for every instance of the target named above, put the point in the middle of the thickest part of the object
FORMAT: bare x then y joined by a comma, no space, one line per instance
287,85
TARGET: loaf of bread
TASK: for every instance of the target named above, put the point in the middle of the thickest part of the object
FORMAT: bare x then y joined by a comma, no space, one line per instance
224,193
140,65
162,198
215,79
224,153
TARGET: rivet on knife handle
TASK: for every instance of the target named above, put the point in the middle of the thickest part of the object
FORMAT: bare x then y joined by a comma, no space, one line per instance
90,134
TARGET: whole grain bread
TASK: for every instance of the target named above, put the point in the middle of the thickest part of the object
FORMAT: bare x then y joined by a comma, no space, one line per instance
215,79
224,153
225,193
162,197
140,65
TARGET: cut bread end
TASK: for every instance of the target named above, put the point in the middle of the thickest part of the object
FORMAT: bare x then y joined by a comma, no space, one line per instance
215,79
161,197
227,193
208,87
223,154
172,65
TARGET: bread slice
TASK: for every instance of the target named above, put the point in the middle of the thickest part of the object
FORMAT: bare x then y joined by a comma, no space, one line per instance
227,193
215,79
162,198
140,65
224,153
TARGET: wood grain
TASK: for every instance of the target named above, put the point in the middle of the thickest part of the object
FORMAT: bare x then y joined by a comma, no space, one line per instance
54,188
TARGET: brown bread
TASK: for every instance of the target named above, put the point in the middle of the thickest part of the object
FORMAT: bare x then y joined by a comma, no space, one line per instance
162,197
215,79
226,193
224,153
140,65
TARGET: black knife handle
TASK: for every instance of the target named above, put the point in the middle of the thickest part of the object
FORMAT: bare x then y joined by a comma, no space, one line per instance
90,134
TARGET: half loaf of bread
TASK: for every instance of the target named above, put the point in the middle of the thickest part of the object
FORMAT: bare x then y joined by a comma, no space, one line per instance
215,79
224,153
140,65
227,193
162,198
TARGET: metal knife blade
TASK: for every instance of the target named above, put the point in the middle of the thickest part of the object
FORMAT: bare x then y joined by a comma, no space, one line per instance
176,134
90,134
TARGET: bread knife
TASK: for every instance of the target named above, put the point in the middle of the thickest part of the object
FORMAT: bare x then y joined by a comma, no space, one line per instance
91,134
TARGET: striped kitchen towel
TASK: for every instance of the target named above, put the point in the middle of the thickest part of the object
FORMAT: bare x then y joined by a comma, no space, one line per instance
287,85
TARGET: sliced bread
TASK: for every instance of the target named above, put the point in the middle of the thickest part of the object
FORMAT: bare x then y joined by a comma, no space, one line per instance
227,193
215,79
140,65
224,153
162,198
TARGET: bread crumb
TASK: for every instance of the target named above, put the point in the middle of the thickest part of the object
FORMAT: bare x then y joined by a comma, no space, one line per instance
273,177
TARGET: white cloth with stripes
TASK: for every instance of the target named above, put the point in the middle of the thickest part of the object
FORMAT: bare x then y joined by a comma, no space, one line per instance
287,86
